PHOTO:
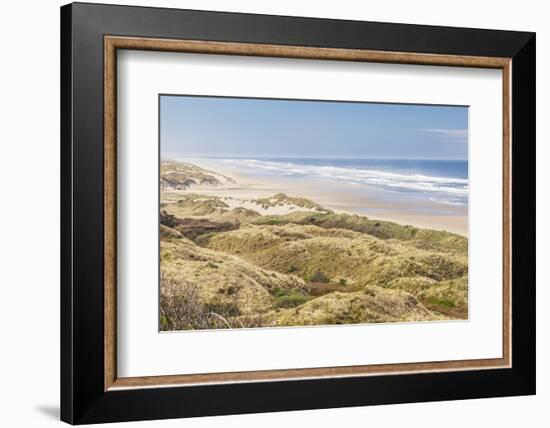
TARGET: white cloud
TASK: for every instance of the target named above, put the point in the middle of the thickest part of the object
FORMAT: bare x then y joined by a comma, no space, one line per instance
455,135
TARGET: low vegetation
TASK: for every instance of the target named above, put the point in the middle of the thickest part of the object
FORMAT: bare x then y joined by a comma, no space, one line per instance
280,199
224,267
180,175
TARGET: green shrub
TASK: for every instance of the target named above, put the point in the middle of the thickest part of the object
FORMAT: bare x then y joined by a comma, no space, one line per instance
439,301
290,300
319,277
164,322
342,281
273,221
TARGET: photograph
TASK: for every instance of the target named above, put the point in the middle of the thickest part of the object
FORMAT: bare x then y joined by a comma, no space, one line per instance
282,213
280,209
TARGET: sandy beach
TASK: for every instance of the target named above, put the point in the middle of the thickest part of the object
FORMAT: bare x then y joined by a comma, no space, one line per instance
375,203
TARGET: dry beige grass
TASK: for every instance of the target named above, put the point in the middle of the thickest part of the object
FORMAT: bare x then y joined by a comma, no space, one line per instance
359,258
372,305
222,279
267,271
181,175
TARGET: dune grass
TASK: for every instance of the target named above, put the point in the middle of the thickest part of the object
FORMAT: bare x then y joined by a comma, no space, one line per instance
305,268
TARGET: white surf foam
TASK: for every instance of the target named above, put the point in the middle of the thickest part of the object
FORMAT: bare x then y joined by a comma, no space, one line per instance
453,189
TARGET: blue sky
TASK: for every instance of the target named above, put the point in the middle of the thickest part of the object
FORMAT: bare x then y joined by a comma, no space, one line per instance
248,127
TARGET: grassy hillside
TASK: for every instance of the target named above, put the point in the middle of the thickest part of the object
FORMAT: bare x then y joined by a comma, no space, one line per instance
180,175
226,267
381,229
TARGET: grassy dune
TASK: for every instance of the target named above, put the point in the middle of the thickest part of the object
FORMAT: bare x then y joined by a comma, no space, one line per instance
224,267
181,175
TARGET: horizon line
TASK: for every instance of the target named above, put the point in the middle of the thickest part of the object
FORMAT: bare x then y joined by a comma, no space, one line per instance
196,156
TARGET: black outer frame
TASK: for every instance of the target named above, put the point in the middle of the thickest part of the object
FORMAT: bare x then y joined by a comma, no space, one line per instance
83,399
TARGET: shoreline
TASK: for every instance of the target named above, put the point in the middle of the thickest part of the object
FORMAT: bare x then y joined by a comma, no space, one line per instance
450,223
373,203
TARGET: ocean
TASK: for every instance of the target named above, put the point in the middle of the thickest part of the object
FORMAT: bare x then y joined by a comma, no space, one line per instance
443,181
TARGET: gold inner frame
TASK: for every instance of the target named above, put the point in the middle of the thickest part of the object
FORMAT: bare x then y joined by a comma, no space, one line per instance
113,43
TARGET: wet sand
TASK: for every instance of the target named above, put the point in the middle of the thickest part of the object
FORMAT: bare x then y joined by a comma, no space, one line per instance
375,203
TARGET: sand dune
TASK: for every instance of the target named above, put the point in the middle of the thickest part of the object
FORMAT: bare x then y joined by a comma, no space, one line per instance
279,260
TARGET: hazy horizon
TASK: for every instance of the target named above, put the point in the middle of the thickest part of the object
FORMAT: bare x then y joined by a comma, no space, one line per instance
225,127
245,156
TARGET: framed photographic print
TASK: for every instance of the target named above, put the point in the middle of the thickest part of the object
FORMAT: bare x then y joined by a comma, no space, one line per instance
265,213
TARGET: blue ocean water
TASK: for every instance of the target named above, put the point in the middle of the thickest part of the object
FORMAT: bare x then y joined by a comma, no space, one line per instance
437,180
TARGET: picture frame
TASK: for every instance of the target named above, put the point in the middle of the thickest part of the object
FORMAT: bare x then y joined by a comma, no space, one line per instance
91,390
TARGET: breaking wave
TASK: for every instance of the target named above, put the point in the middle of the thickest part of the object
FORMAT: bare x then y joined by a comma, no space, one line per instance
443,189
